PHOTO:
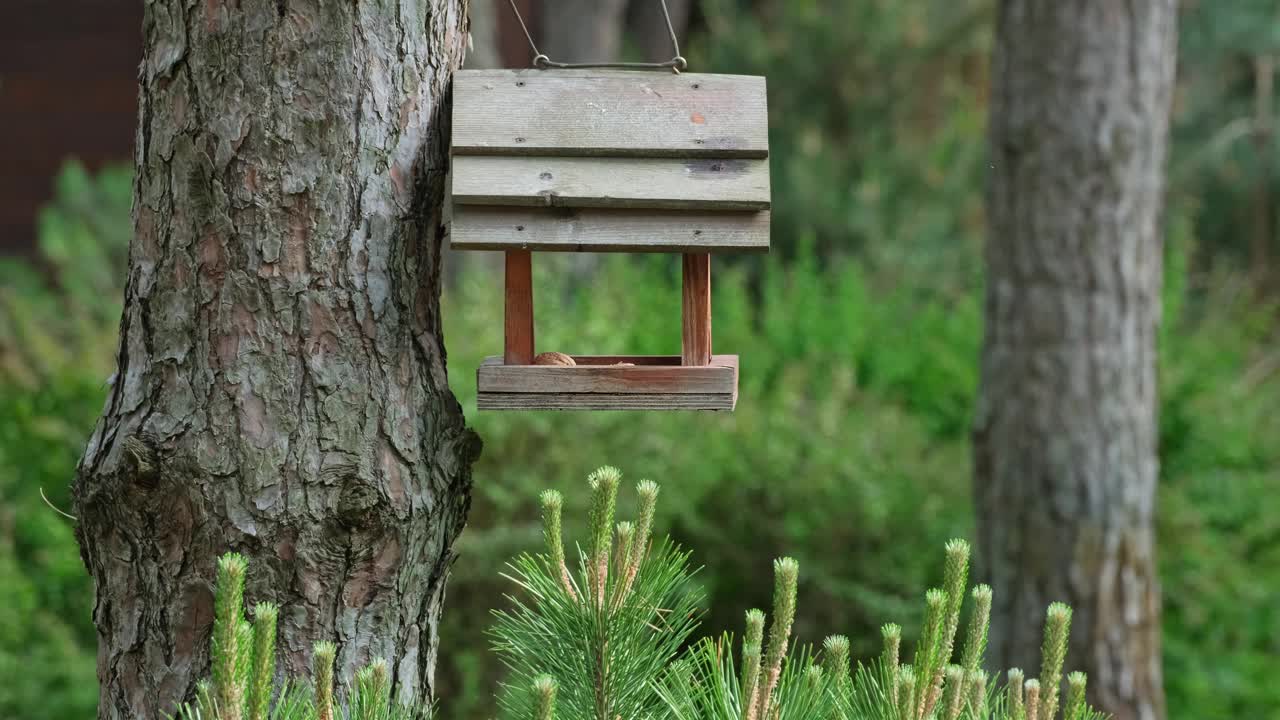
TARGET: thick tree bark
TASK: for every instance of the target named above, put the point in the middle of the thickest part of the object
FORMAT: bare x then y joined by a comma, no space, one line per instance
281,384
1065,434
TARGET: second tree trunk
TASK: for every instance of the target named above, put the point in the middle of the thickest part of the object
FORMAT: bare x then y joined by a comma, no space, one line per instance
1065,434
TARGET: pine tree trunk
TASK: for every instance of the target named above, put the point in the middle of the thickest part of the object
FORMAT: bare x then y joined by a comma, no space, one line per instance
649,27
582,30
281,384
1065,435
486,50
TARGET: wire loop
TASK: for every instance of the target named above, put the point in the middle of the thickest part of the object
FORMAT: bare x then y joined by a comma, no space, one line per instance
676,64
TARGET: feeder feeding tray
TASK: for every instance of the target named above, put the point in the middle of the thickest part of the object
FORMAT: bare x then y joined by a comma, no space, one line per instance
609,161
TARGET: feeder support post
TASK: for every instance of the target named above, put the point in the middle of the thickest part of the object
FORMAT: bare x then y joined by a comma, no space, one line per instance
696,310
518,336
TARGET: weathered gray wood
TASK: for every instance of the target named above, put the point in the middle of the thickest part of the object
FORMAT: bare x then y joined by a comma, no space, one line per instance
609,113
482,227
662,183
597,383
607,376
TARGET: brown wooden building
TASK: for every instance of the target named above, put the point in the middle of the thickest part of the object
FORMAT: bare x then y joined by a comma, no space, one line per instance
68,79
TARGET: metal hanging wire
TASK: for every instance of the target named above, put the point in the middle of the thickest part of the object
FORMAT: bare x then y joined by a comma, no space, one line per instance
542,62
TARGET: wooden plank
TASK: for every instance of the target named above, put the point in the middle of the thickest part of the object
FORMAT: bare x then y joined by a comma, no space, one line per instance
613,360
609,113
610,378
603,401
661,360
518,316
483,227
657,360
695,336
667,360
671,184
525,387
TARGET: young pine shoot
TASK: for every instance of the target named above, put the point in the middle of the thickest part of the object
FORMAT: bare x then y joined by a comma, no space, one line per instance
604,633
243,667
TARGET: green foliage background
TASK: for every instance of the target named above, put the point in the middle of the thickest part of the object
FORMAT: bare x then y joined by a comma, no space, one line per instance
859,339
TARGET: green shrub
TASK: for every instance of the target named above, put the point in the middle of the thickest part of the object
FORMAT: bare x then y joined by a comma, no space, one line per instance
57,341
58,316
859,339
848,449
1219,536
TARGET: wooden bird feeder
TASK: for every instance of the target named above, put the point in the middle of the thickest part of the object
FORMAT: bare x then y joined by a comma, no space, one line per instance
609,161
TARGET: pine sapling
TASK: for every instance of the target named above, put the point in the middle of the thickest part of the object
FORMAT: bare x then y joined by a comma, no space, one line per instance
647,491
906,693
604,501
953,692
892,635
1057,631
604,633
243,669
835,659
929,647
544,697
977,685
975,642
1076,709
814,677
1017,710
752,648
371,697
786,574
244,660
264,660
625,532
955,579
227,660
1032,688
885,690
552,506
205,706
322,667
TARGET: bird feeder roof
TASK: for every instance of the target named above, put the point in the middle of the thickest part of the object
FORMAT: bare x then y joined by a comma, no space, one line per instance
609,160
